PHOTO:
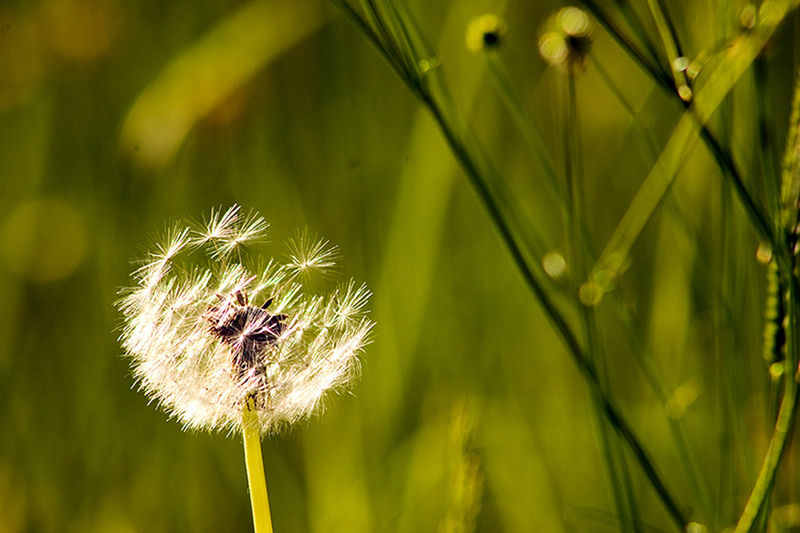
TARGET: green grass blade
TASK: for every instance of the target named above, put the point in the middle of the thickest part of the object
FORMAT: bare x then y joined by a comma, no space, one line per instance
649,64
778,442
365,24
671,47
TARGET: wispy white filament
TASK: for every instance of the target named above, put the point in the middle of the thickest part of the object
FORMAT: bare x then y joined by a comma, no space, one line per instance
206,330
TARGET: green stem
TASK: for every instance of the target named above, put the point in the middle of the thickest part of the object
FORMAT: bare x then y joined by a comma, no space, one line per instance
516,108
721,154
584,364
777,446
651,66
783,425
262,522
671,48
578,245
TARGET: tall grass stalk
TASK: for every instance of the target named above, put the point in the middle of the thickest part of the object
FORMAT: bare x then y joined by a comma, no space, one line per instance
394,33
785,366
411,68
581,254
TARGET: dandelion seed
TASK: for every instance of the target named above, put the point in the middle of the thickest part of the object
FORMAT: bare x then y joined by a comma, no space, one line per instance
218,226
251,230
208,333
228,232
310,255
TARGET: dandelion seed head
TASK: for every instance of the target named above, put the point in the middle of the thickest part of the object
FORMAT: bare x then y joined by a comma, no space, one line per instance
208,327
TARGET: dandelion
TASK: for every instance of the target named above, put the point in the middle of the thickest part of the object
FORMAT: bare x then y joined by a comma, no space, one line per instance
223,344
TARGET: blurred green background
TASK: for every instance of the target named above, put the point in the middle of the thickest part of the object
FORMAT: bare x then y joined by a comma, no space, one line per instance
117,116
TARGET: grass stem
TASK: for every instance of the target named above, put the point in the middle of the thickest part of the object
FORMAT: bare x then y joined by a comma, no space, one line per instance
777,446
474,171
671,47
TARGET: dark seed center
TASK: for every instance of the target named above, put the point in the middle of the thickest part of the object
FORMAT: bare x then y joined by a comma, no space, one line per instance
248,330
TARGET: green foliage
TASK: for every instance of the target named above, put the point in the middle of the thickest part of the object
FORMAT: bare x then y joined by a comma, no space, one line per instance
562,255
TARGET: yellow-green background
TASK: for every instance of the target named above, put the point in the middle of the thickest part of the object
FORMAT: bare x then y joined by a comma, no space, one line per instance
117,116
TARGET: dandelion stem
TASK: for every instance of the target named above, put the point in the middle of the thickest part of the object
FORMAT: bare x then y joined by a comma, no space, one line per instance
262,522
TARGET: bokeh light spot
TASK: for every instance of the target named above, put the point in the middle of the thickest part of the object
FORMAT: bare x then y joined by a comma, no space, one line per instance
81,30
553,48
554,264
574,21
43,240
21,63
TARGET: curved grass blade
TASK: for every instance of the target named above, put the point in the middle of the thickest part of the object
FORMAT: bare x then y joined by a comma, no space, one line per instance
205,75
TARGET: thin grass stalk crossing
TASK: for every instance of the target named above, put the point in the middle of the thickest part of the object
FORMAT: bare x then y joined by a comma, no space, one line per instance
404,52
748,44
479,182
579,249
649,64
